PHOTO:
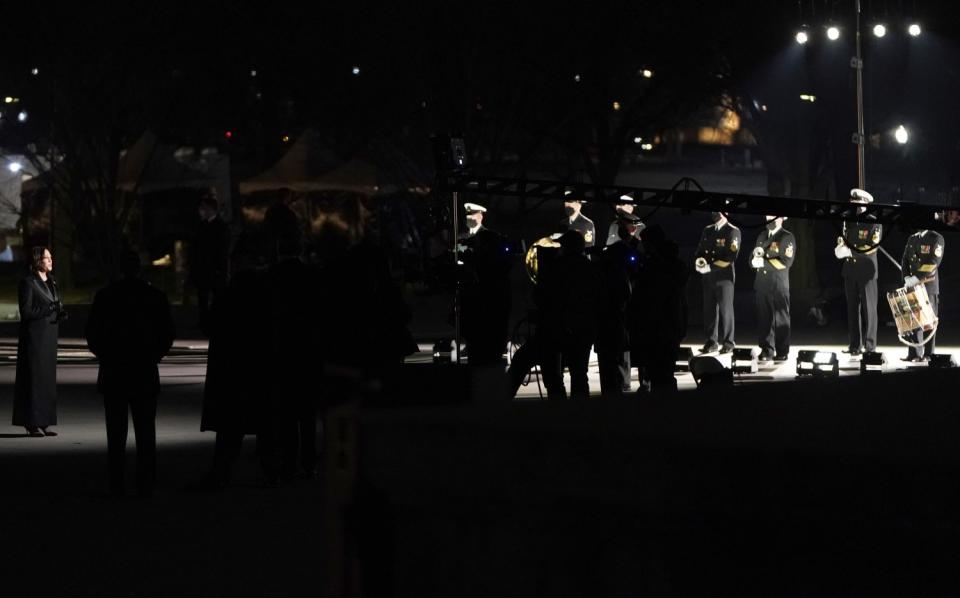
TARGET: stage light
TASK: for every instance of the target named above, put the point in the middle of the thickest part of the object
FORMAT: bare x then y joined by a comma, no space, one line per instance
647,146
914,29
576,78
647,73
901,135
616,105
802,37
833,33
808,97
709,371
684,355
872,362
638,140
444,351
879,30
34,71
253,72
817,363
355,70
14,167
10,100
744,361
942,360
22,116
228,134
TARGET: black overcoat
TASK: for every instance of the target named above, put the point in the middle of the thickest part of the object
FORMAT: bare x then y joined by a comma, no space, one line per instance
35,392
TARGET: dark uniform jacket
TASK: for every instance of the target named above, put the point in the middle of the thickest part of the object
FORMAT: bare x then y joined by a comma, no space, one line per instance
618,265
921,258
720,249
778,252
130,329
582,225
209,260
861,237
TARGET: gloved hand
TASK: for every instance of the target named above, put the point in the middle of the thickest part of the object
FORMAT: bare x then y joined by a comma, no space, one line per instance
703,269
842,251
756,262
911,281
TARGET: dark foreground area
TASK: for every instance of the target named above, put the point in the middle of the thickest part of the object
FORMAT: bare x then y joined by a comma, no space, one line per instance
837,487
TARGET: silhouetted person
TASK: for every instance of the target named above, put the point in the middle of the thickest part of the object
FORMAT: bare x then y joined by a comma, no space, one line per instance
618,266
567,297
130,330
236,391
281,222
35,391
294,311
209,260
658,311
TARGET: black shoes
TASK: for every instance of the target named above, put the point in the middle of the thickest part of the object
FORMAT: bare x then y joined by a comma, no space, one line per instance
853,352
708,348
783,357
765,356
726,349
35,432
48,432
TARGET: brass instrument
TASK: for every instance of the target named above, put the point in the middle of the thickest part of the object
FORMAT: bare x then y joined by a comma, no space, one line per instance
530,260
757,252
700,263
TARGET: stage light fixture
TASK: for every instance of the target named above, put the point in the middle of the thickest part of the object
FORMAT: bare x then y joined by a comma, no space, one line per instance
913,29
708,371
942,360
684,355
744,361
872,362
14,167
879,30
833,33
444,351
802,37
817,363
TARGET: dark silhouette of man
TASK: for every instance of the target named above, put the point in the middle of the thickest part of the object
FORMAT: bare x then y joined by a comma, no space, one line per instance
130,330
209,260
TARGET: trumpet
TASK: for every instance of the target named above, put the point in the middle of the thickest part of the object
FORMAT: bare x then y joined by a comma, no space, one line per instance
700,263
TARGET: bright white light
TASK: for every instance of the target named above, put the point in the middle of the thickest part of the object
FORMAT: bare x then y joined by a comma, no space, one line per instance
356,70
9,100
647,146
808,98
34,71
638,139
901,135
879,30
253,72
576,78
22,116
914,29
647,73
616,105
823,357
833,33
802,37
15,166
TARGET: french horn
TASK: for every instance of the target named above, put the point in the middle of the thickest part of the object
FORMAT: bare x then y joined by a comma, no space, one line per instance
530,259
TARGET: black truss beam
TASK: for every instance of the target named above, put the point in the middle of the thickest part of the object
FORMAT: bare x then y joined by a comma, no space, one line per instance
688,196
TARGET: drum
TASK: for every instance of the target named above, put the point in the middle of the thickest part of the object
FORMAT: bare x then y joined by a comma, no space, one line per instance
912,310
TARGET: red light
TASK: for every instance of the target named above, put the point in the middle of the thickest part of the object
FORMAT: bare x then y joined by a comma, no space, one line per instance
228,134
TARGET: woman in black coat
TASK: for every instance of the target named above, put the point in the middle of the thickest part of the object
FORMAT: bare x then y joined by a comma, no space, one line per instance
35,392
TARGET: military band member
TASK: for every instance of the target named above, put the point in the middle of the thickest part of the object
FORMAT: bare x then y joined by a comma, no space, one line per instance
485,290
921,264
772,257
857,248
715,259
624,206
575,220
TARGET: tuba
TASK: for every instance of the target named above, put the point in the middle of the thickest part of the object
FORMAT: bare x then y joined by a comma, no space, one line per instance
530,259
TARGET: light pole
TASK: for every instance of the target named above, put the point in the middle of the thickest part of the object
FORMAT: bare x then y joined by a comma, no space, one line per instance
860,137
